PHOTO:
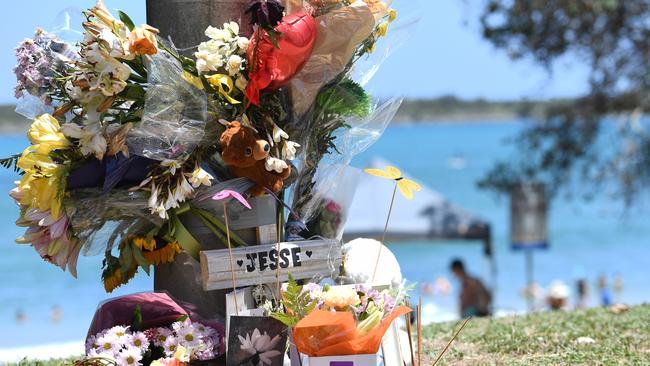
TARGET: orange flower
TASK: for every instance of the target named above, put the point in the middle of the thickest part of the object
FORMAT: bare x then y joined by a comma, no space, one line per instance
142,40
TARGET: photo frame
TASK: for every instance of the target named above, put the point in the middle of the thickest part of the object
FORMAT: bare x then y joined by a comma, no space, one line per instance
256,340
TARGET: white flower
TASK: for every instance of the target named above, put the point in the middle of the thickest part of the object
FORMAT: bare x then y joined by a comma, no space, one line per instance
160,211
170,346
279,134
94,353
275,164
108,343
172,165
234,65
171,201
139,340
261,345
217,53
183,189
91,138
118,331
217,34
241,83
289,150
130,357
153,197
200,177
233,27
74,92
161,336
242,44
91,343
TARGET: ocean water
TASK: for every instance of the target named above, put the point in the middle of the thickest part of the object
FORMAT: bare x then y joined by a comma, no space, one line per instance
587,240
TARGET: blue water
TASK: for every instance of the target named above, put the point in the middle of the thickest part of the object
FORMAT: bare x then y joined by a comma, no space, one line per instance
586,240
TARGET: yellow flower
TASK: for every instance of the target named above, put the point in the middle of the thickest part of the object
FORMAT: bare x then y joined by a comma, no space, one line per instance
340,297
392,15
44,134
43,184
143,242
114,278
382,29
163,255
181,354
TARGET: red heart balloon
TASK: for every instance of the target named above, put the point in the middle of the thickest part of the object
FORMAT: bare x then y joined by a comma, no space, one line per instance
274,66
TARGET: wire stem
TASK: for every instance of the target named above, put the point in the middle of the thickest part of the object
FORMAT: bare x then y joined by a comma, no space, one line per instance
383,236
232,264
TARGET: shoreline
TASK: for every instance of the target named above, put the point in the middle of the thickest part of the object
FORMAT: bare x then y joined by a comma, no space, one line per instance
42,352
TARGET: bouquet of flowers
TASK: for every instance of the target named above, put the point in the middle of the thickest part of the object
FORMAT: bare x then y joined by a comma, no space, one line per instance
151,328
339,320
183,341
141,134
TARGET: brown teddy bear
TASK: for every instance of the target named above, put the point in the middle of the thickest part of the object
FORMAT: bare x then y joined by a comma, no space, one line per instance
245,155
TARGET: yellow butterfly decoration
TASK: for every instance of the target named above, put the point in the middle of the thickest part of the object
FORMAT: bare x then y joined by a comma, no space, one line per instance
406,186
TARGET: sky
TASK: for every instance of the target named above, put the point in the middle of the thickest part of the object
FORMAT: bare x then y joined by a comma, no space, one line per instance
444,54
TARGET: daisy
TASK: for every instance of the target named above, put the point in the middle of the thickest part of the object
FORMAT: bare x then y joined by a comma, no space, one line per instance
118,331
170,346
130,357
161,336
108,343
139,340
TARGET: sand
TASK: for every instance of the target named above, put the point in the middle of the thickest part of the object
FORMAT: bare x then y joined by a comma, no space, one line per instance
42,352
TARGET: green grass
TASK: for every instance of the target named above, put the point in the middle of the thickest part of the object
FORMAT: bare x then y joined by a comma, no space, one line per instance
546,339
50,362
536,339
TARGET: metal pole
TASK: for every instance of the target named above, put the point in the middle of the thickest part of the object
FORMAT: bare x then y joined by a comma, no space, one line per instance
185,21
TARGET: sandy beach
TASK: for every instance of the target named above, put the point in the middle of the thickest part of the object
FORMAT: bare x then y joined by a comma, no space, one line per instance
42,352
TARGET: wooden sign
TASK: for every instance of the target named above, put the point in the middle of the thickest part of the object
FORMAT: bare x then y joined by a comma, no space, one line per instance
258,264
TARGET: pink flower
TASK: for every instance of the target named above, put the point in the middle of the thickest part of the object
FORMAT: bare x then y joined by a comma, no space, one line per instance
227,193
332,206
51,239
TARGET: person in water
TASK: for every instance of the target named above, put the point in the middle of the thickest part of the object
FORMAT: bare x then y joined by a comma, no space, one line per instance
475,299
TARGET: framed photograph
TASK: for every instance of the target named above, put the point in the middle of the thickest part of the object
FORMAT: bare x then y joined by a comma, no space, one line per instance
256,341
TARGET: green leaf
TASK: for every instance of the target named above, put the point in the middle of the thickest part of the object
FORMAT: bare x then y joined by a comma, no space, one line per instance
136,323
10,162
133,92
297,304
142,261
126,20
126,258
346,98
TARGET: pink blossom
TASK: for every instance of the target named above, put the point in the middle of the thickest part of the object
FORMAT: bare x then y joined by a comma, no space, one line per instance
227,193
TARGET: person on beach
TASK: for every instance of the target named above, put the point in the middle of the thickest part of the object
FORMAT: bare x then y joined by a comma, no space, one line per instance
605,294
475,299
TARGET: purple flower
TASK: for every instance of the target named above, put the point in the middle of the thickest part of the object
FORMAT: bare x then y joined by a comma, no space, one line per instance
37,62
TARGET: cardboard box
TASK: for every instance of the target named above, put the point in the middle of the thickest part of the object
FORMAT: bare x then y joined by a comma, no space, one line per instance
351,360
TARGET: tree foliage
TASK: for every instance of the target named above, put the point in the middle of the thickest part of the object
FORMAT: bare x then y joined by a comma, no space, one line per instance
599,138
